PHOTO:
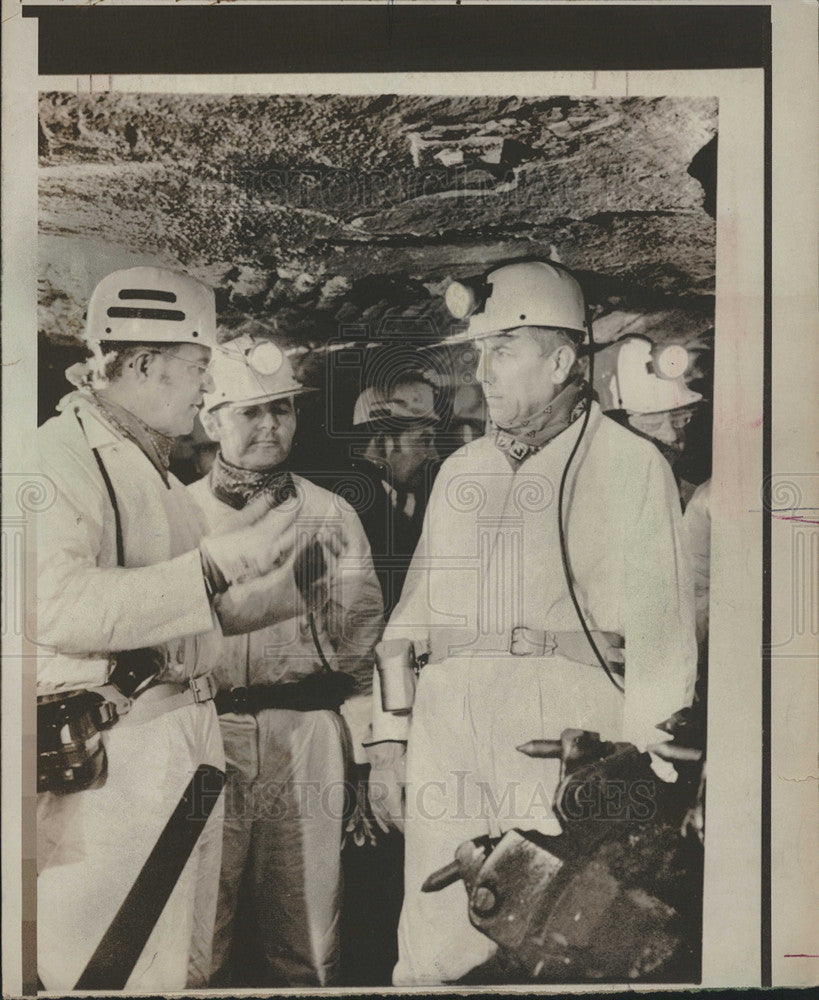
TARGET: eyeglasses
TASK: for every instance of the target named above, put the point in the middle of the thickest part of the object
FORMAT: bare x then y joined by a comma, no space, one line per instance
205,370
654,422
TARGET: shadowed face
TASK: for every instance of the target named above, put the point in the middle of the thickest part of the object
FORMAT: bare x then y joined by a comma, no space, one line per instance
415,449
254,436
666,428
405,454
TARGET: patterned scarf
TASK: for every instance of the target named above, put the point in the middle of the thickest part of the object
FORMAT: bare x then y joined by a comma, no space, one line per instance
527,437
237,487
156,446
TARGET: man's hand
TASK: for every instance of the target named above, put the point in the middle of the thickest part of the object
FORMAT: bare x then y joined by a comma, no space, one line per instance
253,550
388,776
612,649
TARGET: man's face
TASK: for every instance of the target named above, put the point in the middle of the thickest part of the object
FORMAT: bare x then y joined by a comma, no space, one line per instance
516,369
666,429
254,436
176,381
414,449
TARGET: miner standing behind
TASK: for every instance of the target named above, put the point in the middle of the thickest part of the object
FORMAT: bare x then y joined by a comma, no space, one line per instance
125,591
487,599
281,687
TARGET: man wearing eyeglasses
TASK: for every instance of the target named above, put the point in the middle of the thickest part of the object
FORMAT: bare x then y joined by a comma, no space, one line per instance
126,615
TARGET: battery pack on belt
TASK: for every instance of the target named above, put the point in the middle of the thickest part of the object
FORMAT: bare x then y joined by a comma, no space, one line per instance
70,751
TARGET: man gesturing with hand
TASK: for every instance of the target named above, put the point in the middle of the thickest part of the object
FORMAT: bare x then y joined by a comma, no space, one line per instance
127,590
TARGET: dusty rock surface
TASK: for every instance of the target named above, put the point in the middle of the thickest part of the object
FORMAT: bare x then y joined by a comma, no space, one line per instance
327,217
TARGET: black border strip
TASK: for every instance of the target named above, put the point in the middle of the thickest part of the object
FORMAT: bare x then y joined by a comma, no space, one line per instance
381,37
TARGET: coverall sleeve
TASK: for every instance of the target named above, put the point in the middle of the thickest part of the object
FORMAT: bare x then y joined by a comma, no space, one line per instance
661,650
411,619
85,608
358,593
697,539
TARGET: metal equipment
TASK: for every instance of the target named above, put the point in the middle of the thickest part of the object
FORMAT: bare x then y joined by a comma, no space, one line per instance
616,897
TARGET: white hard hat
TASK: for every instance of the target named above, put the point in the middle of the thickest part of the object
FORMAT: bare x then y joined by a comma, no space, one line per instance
648,380
370,405
374,405
251,371
529,293
152,305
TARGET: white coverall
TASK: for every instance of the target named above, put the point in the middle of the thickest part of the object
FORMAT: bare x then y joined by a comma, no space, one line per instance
93,844
489,559
284,796
697,537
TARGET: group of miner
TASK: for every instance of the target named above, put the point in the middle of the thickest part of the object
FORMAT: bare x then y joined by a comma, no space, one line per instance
213,722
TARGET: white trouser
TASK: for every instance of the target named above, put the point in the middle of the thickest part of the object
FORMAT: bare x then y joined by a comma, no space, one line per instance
284,806
466,779
92,846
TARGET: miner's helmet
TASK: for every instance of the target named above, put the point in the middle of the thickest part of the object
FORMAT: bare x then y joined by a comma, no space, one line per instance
650,378
151,305
527,293
250,370
375,411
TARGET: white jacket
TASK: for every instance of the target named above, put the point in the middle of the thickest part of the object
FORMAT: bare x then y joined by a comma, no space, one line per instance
87,606
489,559
285,651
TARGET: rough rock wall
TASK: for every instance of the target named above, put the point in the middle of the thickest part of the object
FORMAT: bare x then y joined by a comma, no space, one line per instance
323,217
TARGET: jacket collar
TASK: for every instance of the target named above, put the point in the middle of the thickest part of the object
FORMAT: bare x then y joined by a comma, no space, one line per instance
529,436
106,423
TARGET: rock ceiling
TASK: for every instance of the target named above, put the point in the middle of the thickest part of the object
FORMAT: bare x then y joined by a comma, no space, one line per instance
319,217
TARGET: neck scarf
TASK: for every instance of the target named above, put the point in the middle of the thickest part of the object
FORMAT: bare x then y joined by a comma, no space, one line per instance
152,443
237,487
528,436
155,445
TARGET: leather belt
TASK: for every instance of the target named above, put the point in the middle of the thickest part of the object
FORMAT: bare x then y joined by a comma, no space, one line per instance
315,693
166,697
525,641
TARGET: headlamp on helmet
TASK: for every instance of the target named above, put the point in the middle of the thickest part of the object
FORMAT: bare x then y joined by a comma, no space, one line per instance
534,293
670,361
463,298
246,370
264,357
649,377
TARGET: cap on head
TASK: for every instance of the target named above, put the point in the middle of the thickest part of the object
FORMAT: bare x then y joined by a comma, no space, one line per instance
251,371
152,305
650,379
528,293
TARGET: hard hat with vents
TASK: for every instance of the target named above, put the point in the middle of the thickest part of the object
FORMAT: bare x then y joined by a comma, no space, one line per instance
152,305
650,379
528,293
246,370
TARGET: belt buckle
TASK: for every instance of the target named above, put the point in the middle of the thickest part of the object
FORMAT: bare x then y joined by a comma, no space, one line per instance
202,688
107,714
521,645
